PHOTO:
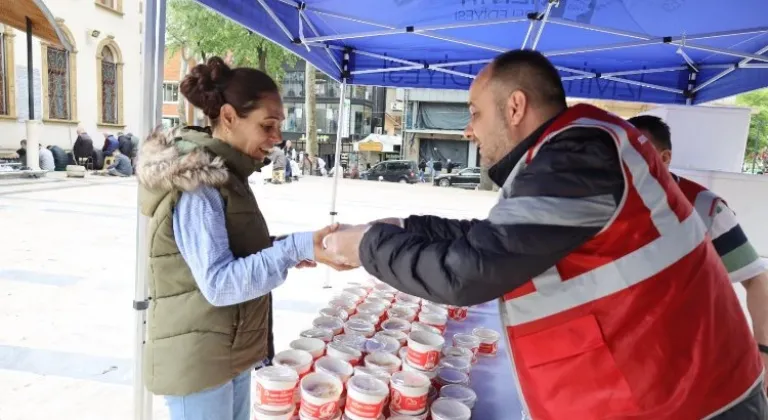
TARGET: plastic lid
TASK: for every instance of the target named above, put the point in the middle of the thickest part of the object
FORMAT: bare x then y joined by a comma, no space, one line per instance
466,339
366,384
354,341
452,376
390,345
383,360
485,334
375,344
345,302
328,322
462,352
405,297
277,374
358,291
410,379
433,316
343,348
420,326
359,325
368,317
396,324
460,393
379,374
415,307
335,312
462,364
447,409
337,367
379,301
322,385
317,333
396,335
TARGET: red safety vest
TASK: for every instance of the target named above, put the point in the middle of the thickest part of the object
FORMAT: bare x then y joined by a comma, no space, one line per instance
703,200
640,322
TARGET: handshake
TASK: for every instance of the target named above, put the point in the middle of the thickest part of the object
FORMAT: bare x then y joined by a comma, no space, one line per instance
338,245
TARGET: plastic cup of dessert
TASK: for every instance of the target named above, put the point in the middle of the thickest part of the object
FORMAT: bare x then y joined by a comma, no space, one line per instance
344,352
298,360
434,308
384,361
324,334
449,376
357,291
406,314
336,367
408,367
374,307
331,323
380,301
424,349
261,414
315,346
394,415
489,342
275,387
356,341
335,312
366,397
368,317
458,313
404,297
359,326
460,393
382,342
380,294
406,305
434,319
379,374
403,354
347,304
453,351
448,409
396,324
320,393
420,326
467,341
409,392
462,364
400,337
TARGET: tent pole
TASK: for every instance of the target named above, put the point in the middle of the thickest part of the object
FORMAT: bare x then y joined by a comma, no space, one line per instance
32,125
336,164
727,71
152,70
543,23
30,72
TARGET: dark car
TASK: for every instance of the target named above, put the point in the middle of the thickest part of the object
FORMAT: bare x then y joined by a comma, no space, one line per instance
465,178
403,171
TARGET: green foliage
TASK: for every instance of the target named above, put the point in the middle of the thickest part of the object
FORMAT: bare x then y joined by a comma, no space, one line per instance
201,33
757,143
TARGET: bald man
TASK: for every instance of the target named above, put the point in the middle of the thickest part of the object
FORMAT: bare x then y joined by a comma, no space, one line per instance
614,303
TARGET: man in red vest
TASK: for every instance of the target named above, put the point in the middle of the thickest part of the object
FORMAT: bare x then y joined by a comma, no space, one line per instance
741,260
615,304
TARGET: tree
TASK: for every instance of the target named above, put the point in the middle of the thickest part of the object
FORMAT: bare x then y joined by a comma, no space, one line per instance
204,33
757,141
310,78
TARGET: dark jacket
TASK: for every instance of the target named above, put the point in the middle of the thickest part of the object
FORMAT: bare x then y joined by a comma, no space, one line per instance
110,145
122,164
473,261
125,146
60,158
83,147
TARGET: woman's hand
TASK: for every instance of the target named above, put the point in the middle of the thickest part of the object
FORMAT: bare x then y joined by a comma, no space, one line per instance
325,256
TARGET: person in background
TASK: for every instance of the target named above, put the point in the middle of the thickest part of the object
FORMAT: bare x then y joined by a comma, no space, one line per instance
289,156
60,157
213,262
431,170
47,162
449,166
321,166
120,167
83,147
125,145
277,157
743,263
21,152
110,144
422,170
614,303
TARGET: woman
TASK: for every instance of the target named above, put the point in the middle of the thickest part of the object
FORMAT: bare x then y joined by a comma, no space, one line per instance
212,263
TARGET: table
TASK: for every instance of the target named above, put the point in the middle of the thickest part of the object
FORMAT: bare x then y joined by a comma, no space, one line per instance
492,378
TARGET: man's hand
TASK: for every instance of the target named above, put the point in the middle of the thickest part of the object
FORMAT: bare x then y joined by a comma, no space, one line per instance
344,245
323,255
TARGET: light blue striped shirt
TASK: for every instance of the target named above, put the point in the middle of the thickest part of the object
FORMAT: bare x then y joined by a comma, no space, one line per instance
201,235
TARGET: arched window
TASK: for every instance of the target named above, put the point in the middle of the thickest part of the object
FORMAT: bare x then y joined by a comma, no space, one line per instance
59,80
110,83
7,81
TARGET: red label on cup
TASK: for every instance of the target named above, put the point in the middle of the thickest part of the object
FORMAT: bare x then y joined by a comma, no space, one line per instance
401,403
489,348
319,412
425,361
270,397
364,410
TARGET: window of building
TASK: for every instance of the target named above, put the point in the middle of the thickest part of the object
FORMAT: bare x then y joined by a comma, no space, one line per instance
110,83
294,117
326,87
111,5
171,92
59,80
362,92
293,84
170,122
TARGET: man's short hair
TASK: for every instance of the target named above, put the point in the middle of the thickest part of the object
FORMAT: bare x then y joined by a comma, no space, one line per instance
23,142
657,128
531,72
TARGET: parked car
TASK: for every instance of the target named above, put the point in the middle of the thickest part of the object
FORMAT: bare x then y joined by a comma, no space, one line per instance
465,178
402,171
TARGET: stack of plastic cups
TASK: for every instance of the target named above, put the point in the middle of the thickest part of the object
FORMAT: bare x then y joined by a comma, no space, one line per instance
273,393
366,397
314,346
298,360
339,368
460,393
469,342
320,394
409,393
448,409
489,342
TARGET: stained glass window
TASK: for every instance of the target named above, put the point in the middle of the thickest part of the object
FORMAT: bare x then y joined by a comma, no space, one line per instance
109,91
3,76
58,84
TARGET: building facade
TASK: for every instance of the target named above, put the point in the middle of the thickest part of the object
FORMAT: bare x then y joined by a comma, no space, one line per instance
174,71
93,86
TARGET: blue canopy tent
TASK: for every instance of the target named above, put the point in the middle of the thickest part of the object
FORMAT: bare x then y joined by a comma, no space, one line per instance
660,51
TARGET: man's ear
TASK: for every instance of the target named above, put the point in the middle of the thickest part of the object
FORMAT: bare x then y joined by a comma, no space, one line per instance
516,106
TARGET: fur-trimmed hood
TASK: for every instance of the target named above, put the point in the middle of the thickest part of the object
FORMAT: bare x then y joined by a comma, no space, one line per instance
165,163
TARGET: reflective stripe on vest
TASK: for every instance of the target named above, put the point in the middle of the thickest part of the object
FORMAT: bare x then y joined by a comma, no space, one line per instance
677,239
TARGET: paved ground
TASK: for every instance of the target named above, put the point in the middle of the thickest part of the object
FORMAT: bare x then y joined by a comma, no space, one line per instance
67,281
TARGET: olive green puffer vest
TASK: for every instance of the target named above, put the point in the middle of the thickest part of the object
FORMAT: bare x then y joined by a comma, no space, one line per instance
193,345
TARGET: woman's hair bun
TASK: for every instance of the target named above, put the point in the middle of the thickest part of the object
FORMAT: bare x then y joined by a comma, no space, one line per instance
204,86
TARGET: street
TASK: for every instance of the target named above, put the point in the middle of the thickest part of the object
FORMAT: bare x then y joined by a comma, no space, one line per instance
67,281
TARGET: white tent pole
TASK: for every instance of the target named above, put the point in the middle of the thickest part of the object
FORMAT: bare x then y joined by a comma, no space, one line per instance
337,170
727,71
543,23
154,44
